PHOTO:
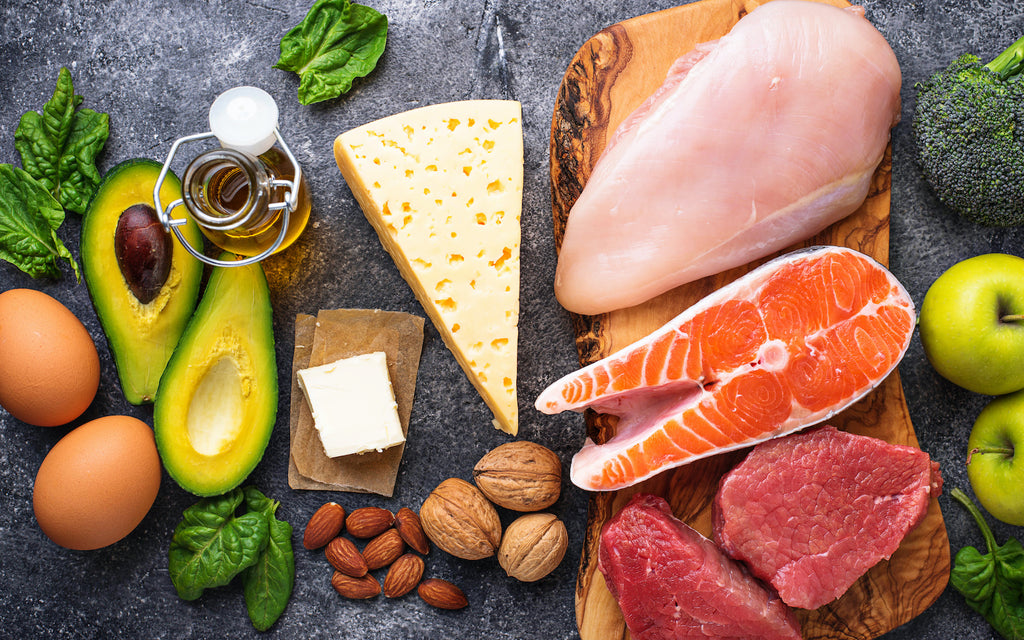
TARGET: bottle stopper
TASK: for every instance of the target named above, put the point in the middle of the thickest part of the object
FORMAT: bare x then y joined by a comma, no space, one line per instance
245,119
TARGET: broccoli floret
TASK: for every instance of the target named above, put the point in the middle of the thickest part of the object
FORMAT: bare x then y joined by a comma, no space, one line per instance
969,130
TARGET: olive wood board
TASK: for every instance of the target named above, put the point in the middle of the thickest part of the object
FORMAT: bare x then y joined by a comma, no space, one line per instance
607,79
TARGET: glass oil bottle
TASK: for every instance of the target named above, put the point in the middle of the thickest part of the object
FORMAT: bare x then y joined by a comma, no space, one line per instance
248,197
229,194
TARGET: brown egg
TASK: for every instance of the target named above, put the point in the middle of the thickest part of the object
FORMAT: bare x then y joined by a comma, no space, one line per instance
49,368
97,483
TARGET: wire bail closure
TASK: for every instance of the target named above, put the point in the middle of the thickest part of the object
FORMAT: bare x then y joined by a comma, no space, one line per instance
244,120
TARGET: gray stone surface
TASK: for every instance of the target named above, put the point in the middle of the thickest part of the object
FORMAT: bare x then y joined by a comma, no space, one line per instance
156,66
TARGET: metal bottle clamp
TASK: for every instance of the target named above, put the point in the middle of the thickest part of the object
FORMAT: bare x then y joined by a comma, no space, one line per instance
255,137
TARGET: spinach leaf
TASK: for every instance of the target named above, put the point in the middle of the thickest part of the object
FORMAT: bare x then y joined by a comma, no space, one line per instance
212,545
267,585
29,219
256,501
59,146
335,43
993,583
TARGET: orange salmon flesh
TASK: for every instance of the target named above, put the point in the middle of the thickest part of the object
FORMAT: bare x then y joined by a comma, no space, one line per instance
786,346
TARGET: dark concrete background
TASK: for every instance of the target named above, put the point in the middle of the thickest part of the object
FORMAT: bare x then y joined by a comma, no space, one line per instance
156,66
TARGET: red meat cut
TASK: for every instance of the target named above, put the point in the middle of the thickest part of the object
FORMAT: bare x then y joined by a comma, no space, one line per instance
673,583
810,513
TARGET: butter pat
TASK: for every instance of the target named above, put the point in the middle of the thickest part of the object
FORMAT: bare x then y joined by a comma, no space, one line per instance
353,404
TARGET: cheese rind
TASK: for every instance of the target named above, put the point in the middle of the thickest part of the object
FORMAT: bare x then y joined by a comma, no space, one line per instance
353,404
443,185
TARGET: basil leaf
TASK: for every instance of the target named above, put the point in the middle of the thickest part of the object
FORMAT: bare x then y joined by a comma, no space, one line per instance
29,219
211,545
59,146
267,585
993,583
335,43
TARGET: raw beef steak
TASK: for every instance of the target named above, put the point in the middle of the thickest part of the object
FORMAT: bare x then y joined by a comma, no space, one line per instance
810,513
673,583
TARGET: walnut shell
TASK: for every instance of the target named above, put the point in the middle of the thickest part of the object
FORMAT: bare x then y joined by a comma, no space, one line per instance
533,546
459,520
522,476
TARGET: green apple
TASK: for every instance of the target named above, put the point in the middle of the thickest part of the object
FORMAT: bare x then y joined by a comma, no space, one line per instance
996,474
972,327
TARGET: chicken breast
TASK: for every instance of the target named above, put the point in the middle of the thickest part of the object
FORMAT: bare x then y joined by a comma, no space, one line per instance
755,141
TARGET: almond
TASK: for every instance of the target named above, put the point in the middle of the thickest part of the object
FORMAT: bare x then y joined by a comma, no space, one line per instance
369,522
441,594
324,526
355,588
403,576
409,527
345,557
383,550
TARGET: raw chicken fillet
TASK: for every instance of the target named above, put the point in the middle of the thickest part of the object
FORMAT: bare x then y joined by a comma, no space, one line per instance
672,583
754,142
786,346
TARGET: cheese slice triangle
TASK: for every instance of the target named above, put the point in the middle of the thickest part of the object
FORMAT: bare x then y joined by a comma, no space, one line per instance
443,187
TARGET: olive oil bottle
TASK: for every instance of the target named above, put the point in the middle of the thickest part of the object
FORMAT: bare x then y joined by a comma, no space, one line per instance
232,195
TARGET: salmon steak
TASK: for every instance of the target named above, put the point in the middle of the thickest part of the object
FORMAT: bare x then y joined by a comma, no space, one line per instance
788,345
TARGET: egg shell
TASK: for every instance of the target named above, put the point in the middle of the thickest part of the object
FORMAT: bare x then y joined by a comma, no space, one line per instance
49,367
97,483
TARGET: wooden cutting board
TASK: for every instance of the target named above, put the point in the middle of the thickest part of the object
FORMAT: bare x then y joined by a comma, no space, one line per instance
607,79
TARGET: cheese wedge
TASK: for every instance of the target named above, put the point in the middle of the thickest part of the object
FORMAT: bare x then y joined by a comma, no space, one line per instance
443,187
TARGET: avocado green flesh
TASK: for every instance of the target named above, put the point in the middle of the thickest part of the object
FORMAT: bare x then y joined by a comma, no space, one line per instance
217,401
141,336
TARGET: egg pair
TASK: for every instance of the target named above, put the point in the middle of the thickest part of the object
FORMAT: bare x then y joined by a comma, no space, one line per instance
100,480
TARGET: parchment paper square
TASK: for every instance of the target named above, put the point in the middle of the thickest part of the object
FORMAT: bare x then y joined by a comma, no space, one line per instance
342,333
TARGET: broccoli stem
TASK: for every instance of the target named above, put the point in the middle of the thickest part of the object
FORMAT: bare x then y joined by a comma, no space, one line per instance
1009,63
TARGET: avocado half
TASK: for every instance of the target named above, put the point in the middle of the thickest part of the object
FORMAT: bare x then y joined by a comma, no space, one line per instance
217,401
142,335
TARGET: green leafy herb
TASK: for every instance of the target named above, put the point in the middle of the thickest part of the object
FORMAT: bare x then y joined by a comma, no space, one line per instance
335,43
59,146
267,585
212,545
29,219
993,583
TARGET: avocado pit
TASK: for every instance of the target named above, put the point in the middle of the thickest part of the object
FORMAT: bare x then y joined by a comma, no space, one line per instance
143,249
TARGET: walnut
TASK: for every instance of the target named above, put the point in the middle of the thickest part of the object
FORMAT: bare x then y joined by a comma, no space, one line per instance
533,546
522,476
459,520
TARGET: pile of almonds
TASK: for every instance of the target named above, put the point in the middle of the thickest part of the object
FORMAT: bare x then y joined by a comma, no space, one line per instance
388,535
